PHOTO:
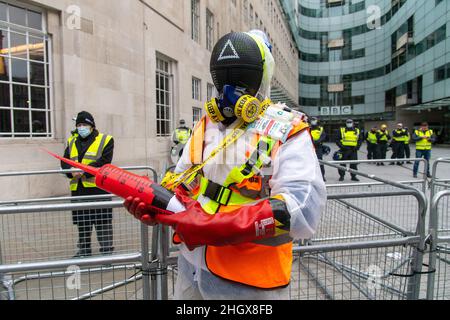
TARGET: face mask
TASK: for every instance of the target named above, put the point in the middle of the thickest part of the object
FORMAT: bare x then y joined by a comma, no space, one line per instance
349,125
84,132
314,123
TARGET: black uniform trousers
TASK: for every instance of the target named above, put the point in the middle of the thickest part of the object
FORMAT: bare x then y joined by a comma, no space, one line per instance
372,151
398,150
349,153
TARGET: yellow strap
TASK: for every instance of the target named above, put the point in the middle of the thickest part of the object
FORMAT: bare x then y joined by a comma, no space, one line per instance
177,179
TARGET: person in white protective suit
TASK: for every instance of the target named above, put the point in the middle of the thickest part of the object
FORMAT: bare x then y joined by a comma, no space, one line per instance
248,184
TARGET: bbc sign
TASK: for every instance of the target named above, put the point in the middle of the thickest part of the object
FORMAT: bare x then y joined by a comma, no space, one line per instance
336,111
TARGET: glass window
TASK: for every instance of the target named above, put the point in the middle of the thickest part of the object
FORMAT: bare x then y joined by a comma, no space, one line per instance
196,115
4,69
18,47
2,11
4,95
163,98
34,20
209,30
17,15
196,89
195,20
210,91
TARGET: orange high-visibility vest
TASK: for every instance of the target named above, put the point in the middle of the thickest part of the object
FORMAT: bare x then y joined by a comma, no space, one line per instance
265,264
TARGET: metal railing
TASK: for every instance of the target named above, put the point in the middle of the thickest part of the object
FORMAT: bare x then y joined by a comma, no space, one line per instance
439,258
361,229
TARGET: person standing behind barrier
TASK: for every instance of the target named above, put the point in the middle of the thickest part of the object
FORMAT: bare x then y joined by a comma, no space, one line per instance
424,139
88,146
383,138
407,147
399,137
318,134
372,144
181,135
349,141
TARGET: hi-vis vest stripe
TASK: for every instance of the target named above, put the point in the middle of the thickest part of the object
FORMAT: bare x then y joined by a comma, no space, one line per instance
350,138
316,133
265,264
93,154
424,144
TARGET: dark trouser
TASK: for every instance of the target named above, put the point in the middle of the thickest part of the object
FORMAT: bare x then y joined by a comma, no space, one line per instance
103,228
372,151
398,150
349,154
407,151
319,153
382,151
426,154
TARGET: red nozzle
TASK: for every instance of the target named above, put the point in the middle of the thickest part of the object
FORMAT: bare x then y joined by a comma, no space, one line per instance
85,168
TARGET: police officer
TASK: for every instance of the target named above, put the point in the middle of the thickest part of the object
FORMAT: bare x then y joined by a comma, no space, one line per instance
88,146
318,134
181,136
399,137
383,138
407,147
424,139
372,144
349,141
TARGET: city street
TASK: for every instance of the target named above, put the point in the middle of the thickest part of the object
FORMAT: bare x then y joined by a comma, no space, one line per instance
393,173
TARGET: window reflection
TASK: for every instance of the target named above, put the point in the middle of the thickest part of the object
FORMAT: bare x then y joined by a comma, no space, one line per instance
5,121
39,124
2,11
17,15
37,73
34,20
19,70
3,39
21,121
4,69
36,49
37,98
4,95
20,96
18,45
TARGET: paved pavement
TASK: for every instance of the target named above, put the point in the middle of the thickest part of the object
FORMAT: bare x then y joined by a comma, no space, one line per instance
393,173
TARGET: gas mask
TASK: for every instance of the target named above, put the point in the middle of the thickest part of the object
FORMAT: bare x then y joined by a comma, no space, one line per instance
235,103
241,67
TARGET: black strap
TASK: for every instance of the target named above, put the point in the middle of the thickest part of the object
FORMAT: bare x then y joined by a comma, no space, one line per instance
216,192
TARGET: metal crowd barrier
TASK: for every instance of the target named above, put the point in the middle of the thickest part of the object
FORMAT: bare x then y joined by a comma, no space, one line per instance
438,183
364,249
439,257
20,219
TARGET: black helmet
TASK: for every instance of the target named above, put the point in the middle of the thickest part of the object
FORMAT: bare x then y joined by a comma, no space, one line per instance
237,61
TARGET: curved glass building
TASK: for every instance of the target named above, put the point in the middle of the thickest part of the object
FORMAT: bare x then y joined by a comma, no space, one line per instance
376,61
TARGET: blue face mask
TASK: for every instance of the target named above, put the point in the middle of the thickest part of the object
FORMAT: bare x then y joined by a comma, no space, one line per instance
84,132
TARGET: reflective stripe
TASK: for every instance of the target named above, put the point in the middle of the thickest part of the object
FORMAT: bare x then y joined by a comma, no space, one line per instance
92,155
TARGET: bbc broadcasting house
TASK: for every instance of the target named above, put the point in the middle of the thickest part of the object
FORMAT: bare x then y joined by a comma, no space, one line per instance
138,66
376,61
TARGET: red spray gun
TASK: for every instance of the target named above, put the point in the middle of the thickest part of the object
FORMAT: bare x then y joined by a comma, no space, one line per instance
125,184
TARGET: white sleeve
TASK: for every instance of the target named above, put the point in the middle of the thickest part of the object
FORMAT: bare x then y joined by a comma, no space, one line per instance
185,161
297,177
